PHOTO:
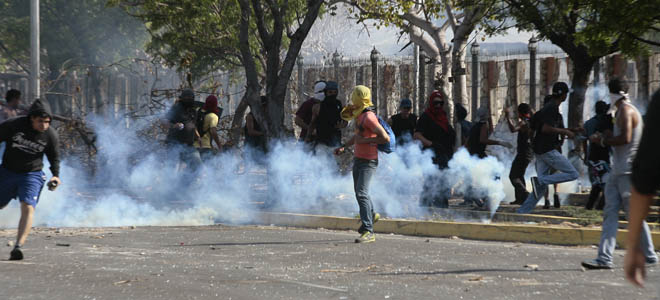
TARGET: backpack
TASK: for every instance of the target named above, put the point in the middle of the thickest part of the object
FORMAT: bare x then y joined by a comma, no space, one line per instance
387,147
199,120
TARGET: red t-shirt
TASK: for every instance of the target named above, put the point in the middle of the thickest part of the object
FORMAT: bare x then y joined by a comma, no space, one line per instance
305,113
368,122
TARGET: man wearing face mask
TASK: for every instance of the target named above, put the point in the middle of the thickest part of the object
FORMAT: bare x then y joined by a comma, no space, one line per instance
304,113
326,118
434,132
624,140
182,132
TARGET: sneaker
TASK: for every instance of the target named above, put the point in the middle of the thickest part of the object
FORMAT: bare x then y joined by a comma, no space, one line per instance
535,187
595,264
557,203
366,237
651,263
16,254
376,217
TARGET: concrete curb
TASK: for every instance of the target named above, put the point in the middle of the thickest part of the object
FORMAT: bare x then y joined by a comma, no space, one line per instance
552,235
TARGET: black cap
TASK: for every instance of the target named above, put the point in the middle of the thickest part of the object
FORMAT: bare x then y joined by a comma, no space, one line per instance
405,103
331,85
559,88
187,94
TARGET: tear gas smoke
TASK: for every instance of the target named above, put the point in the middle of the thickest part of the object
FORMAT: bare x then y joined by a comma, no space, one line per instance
136,182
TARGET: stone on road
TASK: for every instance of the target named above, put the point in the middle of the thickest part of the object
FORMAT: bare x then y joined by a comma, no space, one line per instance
250,262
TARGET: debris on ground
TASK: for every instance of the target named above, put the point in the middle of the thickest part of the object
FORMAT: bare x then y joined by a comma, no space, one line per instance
10,243
63,244
570,224
366,269
532,267
478,278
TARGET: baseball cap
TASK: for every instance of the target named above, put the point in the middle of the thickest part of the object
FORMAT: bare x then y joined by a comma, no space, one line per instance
405,103
331,85
560,88
187,94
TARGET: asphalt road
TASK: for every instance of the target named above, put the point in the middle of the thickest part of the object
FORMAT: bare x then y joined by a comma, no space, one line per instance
221,262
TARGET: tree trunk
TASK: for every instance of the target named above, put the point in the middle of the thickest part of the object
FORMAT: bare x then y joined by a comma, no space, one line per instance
581,69
237,122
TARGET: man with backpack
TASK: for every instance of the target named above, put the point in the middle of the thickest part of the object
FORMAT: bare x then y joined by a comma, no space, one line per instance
206,124
182,132
368,134
546,141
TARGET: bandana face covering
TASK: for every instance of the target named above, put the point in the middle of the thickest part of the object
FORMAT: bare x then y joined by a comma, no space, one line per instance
614,98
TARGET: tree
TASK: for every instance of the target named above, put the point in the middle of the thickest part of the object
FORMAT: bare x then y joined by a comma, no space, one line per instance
263,37
72,33
418,20
586,30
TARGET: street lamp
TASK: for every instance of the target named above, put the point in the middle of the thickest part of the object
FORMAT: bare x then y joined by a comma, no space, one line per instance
374,77
532,70
475,75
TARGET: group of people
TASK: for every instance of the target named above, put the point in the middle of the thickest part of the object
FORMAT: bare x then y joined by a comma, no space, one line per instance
619,152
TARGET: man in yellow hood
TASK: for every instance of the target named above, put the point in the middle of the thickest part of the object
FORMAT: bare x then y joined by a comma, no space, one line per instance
368,134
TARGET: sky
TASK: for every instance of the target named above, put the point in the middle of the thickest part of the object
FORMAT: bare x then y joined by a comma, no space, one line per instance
340,33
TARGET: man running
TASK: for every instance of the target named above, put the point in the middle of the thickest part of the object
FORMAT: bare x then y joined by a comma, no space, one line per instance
368,134
628,126
545,148
28,138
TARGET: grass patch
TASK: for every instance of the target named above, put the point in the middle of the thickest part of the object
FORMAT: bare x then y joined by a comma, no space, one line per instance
586,217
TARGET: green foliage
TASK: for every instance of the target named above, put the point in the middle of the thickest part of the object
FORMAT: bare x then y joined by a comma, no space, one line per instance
74,32
197,35
594,28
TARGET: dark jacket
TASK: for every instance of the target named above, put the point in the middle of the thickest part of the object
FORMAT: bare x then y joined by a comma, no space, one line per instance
26,147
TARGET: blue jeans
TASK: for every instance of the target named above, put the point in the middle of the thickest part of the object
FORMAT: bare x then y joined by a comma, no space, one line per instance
363,170
617,196
545,163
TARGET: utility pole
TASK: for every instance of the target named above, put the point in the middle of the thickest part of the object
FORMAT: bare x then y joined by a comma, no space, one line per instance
34,50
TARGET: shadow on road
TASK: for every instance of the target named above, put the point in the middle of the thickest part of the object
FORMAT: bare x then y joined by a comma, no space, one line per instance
469,271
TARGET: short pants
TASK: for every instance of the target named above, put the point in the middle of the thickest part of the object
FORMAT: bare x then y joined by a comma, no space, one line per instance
24,186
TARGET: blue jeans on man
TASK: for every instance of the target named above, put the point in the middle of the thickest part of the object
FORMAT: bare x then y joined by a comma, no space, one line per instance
363,171
617,195
545,163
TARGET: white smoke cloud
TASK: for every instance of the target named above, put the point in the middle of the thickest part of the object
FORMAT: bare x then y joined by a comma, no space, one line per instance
136,182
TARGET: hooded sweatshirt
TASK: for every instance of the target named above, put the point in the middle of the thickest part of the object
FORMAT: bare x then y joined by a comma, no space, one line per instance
26,146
